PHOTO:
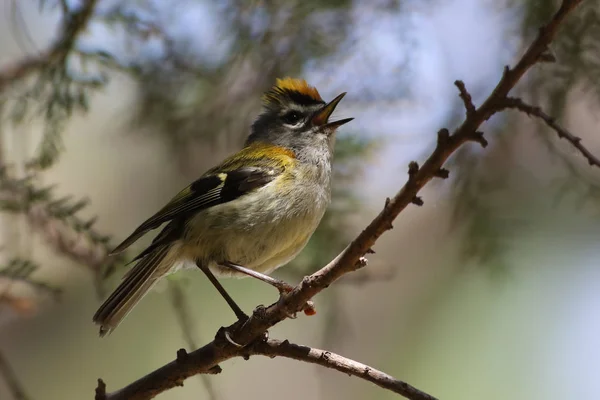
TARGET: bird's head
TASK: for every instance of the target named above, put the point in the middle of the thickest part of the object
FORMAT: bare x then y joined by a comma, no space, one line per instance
295,116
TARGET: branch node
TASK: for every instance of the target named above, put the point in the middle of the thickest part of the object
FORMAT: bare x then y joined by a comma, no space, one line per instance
182,355
100,390
216,369
478,138
417,200
466,97
308,280
443,137
259,312
385,207
547,57
370,251
413,169
362,262
442,173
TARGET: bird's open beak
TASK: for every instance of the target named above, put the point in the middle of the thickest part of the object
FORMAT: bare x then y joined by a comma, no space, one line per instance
321,118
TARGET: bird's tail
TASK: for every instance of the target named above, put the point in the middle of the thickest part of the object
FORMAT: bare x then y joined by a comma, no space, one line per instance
136,283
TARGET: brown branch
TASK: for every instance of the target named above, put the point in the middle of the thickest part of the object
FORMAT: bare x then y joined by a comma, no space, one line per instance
73,24
519,104
208,357
466,97
277,348
66,241
14,386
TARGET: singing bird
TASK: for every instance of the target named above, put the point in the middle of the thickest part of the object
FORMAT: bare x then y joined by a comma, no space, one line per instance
249,215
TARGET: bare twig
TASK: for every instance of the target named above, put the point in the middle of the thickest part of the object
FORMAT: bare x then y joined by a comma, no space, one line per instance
73,24
276,348
466,97
15,387
519,104
246,333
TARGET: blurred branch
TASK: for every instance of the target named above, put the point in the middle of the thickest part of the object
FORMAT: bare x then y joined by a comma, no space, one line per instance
52,85
57,221
369,276
519,104
73,24
239,339
180,306
14,386
18,270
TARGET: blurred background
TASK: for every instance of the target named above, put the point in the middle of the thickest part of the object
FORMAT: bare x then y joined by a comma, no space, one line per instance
490,290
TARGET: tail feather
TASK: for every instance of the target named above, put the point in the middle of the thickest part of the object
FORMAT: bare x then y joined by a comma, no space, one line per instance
128,241
136,283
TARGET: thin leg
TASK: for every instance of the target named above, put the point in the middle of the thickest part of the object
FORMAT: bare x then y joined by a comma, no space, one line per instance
280,285
236,309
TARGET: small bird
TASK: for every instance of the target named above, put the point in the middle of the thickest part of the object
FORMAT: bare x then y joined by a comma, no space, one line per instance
249,215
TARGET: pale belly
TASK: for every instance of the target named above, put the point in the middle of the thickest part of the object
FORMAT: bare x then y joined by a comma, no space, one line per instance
256,236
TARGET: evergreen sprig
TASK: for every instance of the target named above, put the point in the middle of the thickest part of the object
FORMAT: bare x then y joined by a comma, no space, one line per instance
58,217
21,270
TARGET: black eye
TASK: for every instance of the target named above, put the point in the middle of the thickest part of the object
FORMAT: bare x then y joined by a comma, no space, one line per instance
291,117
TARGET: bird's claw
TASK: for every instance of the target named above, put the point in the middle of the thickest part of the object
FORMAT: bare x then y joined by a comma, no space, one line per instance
230,340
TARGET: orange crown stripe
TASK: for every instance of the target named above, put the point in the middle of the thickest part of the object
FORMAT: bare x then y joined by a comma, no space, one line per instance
279,92
298,85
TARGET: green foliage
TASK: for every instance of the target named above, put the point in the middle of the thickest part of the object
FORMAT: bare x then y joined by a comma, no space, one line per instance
19,270
53,96
479,213
42,205
576,49
185,100
491,200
